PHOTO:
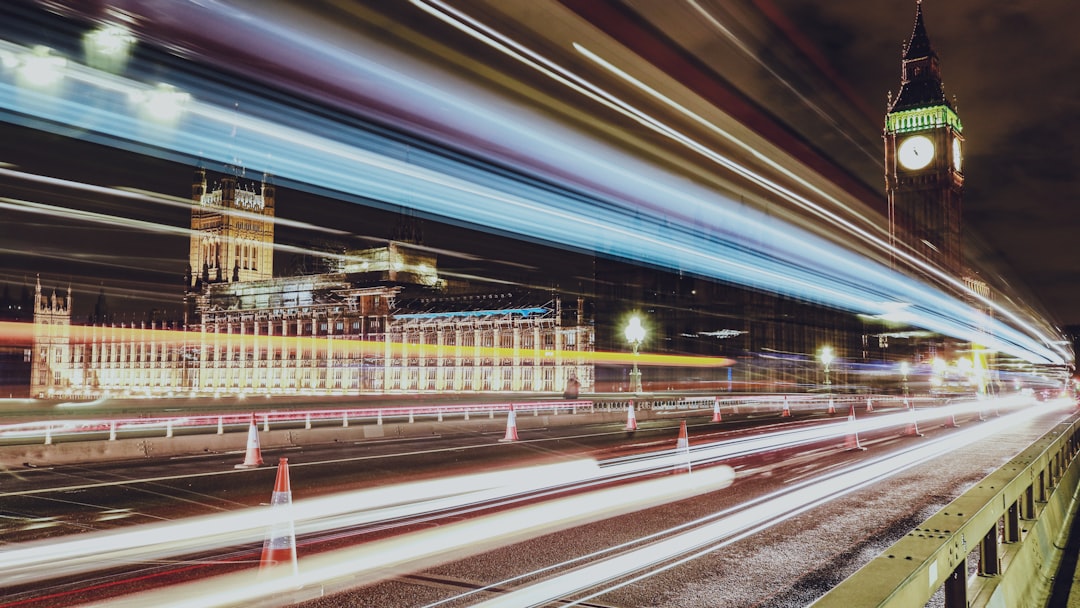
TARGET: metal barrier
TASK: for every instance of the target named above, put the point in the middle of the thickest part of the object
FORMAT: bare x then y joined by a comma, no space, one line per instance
1012,519
46,431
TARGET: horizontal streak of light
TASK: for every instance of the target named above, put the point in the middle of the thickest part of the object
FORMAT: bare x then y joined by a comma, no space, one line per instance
739,245
24,563
145,196
407,553
115,221
699,541
335,347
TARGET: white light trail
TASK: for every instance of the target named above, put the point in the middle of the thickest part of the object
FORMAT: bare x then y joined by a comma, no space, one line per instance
474,28
41,560
386,558
735,244
662,555
24,563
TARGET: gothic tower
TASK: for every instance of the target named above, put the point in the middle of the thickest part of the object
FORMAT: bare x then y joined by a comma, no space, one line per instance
232,231
51,371
924,176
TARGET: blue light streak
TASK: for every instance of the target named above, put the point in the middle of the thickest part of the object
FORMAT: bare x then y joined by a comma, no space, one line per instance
524,312
681,225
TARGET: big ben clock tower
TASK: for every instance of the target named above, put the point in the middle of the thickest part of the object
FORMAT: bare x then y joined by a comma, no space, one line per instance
924,176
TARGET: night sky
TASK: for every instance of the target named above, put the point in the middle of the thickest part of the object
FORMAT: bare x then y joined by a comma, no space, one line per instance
1012,68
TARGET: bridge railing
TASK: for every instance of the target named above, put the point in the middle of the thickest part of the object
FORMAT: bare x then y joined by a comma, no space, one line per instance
88,429
73,429
1008,525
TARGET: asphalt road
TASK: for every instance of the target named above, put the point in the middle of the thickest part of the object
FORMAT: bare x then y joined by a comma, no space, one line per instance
786,562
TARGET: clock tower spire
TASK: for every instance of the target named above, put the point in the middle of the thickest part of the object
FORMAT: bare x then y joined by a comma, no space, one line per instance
923,158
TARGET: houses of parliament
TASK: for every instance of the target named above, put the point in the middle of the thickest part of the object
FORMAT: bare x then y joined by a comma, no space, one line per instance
381,320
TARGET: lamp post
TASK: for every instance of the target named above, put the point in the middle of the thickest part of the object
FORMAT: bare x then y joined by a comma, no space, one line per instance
635,334
826,357
904,369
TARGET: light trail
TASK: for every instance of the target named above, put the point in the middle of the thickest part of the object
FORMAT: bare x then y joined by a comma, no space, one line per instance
349,568
822,114
140,196
325,347
474,28
26,563
92,551
766,256
380,559
684,546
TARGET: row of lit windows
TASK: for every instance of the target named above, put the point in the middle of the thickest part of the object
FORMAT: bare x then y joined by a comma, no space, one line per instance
283,328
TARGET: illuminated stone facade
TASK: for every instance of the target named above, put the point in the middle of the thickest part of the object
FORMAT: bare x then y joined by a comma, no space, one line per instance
233,230
52,353
383,322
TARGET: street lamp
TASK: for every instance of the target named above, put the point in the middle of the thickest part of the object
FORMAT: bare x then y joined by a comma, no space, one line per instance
904,369
826,357
635,335
108,47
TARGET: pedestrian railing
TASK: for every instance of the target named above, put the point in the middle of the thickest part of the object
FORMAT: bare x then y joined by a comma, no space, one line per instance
1005,530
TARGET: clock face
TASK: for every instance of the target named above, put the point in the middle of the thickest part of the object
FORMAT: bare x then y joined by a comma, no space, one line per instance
915,152
957,159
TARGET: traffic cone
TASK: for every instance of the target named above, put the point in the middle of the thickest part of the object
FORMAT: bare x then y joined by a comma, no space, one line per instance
716,417
682,446
683,442
511,425
279,549
912,429
787,410
851,443
254,453
832,407
869,405
631,418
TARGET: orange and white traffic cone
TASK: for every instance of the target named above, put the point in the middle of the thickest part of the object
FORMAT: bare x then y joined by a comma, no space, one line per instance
716,417
832,407
631,418
851,443
682,447
912,429
511,425
279,549
787,410
869,405
253,458
683,443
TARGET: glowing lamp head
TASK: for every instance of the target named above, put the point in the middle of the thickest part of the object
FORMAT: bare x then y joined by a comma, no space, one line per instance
635,333
826,355
939,365
40,68
163,103
111,40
